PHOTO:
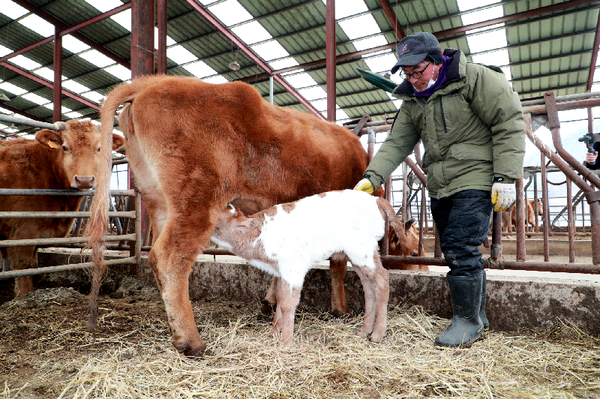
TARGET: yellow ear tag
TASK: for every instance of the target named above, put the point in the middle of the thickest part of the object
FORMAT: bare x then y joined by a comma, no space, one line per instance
52,145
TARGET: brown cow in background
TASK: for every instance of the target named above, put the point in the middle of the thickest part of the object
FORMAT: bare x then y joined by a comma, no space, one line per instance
194,147
411,247
67,158
530,212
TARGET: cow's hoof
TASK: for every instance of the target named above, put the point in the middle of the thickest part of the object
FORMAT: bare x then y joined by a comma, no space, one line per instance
188,351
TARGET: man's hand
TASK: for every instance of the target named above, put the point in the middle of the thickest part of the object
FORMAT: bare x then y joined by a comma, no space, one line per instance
365,185
590,157
504,196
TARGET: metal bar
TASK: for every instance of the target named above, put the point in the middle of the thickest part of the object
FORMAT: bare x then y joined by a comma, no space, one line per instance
330,53
36,215
61,241
71,193
27,121
394,262
57,85
571,222
593,62
62,268
520,227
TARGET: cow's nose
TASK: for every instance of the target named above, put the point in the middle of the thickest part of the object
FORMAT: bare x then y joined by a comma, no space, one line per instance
84,182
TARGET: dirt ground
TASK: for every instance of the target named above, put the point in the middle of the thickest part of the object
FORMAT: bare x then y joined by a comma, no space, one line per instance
46,352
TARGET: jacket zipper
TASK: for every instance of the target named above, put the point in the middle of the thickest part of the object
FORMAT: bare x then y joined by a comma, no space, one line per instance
443,117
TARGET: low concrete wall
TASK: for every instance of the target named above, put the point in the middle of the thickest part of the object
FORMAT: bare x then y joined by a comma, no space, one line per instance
516,301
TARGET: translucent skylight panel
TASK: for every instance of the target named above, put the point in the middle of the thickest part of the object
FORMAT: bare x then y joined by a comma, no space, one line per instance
348,7
74,45
25,63
370,42
34,98
482,15
38,25
45,73
170,41
313,93
5,51
360,26
12,9
487,41
96,58
382,63
105,5
320,105
252,32
74,87
464,5
73,115
63,110
301,80
270,50
497,58
93,96
217,79
199,69
11,88
283,63
206,2
123,18
119,71
180,55
230,12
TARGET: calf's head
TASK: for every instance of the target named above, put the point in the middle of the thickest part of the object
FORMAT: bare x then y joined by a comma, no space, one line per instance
412,241
78,151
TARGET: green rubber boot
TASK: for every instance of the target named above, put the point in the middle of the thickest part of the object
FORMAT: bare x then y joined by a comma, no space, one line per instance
466,326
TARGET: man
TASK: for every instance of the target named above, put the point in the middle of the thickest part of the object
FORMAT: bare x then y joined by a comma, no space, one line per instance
471,124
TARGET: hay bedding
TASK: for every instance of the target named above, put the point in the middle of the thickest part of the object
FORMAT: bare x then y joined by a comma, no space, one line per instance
45,352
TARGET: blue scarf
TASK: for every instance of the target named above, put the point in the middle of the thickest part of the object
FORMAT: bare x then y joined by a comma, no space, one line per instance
438,83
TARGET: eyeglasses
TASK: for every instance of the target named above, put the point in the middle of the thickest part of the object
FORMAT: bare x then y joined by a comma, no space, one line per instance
414,75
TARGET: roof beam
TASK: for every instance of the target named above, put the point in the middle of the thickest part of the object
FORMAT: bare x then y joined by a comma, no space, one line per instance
50,85
62,27
590,80
391,16
440,34
249,53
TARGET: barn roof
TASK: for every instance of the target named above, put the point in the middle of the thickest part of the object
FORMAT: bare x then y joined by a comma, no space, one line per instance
542,45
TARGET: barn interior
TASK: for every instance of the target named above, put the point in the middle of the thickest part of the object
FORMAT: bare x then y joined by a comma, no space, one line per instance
60,58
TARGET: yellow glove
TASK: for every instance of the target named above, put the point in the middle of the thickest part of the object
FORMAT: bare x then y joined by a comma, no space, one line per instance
503,196
365,185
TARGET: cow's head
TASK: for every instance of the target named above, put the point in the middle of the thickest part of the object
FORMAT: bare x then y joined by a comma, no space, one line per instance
78,146
412,241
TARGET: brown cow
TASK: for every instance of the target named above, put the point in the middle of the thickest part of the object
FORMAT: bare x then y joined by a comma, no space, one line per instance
194,147
530,224
410,248
67,158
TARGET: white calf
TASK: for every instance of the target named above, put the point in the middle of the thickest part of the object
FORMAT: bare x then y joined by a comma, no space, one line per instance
287,239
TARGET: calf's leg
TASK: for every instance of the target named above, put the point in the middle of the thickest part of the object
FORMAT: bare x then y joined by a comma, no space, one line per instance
287,301
376,288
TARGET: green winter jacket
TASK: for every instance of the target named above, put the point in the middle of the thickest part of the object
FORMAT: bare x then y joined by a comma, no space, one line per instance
472,129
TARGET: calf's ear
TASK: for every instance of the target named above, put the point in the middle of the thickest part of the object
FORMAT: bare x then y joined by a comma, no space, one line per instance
48,137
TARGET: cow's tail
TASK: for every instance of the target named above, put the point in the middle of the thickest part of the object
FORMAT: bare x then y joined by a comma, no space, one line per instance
98,223
389,212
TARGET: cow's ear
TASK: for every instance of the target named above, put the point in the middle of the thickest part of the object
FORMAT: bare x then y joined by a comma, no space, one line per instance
48,137
408,223
118,142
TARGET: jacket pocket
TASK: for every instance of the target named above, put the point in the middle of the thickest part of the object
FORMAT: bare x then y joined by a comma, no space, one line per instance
472,152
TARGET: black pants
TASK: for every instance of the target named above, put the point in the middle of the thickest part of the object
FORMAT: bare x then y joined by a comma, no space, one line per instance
462,221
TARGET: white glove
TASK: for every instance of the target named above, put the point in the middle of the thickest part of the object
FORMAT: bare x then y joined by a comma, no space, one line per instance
365,185
504,196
